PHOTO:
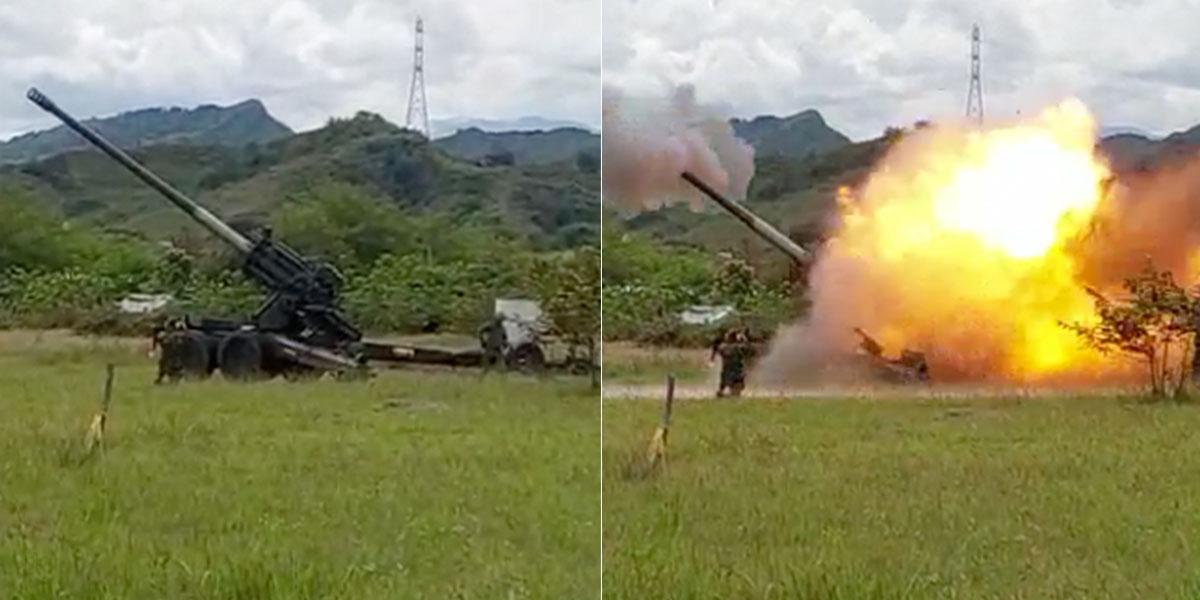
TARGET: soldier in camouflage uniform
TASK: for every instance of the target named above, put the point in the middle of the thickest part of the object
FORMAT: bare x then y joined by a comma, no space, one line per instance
493,339
734,350
181,353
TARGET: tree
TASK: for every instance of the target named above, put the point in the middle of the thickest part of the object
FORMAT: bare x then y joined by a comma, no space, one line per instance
1156,323
735,281
570,296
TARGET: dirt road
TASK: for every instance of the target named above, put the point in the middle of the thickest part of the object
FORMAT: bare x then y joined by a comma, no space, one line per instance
618,391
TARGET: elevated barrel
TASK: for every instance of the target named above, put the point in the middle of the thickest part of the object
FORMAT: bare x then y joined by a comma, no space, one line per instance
756,224
189,206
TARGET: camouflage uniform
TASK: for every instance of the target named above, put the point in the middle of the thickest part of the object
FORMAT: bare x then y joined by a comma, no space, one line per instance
734,349
493,339
169,338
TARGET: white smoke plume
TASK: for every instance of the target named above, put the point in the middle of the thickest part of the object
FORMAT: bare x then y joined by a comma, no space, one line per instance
649,143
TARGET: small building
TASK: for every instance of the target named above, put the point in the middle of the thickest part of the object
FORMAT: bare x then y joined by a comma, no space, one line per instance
704,314
142,304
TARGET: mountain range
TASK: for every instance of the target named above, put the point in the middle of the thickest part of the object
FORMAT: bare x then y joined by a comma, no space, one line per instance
526,141
446,127
235,125
542,182
243,164
794,136
1133,151
522,147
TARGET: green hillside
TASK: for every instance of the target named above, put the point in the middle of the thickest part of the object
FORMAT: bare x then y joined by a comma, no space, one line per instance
235,125
795,136
523,147
1133,152
554,205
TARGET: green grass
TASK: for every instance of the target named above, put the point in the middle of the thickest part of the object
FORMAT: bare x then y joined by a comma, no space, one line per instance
846,498
411,485
627,363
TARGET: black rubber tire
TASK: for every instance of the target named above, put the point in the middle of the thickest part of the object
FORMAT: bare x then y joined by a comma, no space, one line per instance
241,357
527,358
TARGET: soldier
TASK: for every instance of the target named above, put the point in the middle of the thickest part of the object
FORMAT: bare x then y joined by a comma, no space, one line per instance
169,339
734,349
493,339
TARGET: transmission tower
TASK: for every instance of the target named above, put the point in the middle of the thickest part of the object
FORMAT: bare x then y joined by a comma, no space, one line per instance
418,112
975,93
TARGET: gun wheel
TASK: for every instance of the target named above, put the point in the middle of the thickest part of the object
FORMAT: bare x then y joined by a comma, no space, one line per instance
241,357
527,358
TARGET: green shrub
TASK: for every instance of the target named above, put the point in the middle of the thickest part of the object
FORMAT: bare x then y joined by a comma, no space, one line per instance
648,283
404,273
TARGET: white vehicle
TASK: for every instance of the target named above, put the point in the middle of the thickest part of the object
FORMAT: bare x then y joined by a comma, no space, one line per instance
528,345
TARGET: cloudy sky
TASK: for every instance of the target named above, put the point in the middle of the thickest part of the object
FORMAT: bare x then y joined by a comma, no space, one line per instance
307,60
867,64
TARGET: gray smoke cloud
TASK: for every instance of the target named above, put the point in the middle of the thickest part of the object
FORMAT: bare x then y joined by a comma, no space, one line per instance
648,143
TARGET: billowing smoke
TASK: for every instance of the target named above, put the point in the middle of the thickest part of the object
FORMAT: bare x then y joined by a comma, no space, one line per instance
649,143
1149,215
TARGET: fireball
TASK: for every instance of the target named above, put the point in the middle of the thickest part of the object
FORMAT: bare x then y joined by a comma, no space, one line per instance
959,245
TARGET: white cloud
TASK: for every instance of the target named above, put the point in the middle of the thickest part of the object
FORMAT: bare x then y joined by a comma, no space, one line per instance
308,60
868,64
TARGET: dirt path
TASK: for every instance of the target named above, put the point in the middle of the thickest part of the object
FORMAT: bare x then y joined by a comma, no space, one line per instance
619,391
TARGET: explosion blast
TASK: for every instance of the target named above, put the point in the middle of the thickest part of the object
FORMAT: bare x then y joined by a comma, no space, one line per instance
965,244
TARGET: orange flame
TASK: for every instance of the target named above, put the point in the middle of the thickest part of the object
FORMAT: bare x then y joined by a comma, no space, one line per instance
959,245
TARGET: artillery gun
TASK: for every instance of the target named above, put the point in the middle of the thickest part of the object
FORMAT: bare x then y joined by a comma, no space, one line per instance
298,329
764,230
909,367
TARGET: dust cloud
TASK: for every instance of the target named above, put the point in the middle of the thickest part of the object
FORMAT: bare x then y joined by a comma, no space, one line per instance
648,143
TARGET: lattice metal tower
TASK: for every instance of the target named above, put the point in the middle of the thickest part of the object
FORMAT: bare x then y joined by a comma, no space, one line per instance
418,112
975,93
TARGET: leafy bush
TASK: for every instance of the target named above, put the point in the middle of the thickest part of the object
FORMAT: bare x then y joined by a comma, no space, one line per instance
411,293
1156,324
647,284
569,289
404,273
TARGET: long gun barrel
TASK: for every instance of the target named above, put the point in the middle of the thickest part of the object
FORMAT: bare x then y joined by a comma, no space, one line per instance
759,226
207,219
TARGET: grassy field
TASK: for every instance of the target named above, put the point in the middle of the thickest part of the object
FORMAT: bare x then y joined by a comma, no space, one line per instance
904,498
628,363
411,485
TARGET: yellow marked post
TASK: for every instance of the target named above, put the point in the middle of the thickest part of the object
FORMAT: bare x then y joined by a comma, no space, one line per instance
657,453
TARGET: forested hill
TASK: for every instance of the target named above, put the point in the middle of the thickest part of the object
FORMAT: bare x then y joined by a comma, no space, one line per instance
1136,152
797,136
555,205
523,147
207,125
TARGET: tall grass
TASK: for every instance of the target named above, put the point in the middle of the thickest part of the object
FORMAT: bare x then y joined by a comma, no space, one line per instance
920,498
625,362
404,486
